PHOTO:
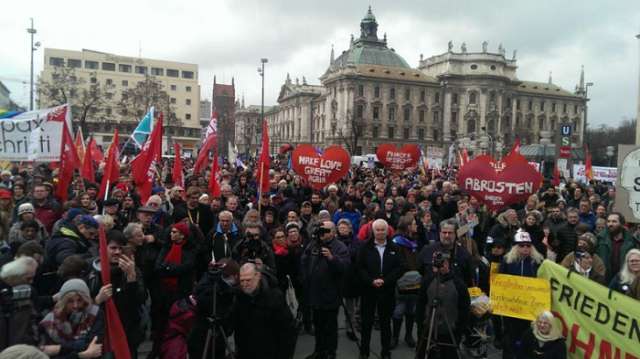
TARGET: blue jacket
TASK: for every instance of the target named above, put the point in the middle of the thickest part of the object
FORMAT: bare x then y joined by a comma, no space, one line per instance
353,217
525,268
589,218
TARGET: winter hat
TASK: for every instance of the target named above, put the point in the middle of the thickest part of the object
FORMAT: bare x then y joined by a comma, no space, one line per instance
25,208
89,221
5,194
73,285
22,351
183,228
521,237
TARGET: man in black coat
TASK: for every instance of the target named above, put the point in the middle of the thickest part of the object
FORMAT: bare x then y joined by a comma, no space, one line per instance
72,239
566,236
379,264
324,263
263,324
219,243
198,213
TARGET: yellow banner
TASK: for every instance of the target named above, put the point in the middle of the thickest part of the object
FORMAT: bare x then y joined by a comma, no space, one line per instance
519,297
595,324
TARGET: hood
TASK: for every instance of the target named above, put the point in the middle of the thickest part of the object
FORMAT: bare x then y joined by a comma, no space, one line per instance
405,242
502,219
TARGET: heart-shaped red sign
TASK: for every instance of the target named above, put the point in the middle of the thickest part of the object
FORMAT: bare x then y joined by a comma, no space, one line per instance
320,169
398,159
515,183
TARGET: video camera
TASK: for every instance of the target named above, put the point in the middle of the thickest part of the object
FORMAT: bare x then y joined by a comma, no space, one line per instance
14,296
439,258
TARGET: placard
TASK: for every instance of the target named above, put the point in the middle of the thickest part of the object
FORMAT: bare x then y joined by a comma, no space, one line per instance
519,297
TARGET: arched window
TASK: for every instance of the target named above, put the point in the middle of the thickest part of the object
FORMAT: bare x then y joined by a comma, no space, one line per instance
471,126
491,126
472,98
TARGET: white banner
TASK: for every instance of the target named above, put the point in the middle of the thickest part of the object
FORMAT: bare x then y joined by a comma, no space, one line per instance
34,135
604,174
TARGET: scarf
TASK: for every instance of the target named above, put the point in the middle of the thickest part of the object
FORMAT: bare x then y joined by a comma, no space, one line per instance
174,257
64,330
553,334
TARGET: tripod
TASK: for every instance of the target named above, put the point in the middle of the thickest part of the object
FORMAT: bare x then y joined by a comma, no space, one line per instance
215,326
429,343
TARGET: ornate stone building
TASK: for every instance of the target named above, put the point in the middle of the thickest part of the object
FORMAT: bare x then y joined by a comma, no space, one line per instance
370,95
224,103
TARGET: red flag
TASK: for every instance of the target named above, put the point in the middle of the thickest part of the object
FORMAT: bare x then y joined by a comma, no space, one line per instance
210,142
111,168
214,185
588,168
176,173
88,172
265,161
115,340
68,162
96,153
556,176
79,143
143,166
516,147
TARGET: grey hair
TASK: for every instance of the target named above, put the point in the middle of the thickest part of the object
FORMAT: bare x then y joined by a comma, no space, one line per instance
378,222
130,229
346,222
17,268
626,277
450,223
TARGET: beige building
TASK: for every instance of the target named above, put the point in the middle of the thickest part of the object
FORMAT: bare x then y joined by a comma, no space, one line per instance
370,95
179,80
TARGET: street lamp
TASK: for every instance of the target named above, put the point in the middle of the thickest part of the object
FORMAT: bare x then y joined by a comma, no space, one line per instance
586,108
261,72
34,47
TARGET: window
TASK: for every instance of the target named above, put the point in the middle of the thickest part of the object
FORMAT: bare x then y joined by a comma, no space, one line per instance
508,101
553,107
392,113
454,118
407,132
360,90
390,132
142,70
76,64
94,80
541,124
492,97
125,83
517,104
564,108
575,109
56,61
471,126
173,100
187,74
530,106
173,87
392,93
93,65
472,98
109,82
187,116
436,99
436,135
421,117
436,117
359,111
374,132
421,133
376,113
108,66
407,114
188,102
188,88
124,68
156,71
541,105
172,73
376,92
474,67
455,98
423,95
407,94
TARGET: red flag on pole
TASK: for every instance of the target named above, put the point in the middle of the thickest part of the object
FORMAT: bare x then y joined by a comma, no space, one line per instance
210,142
214,185
588,168
68,162
79,143
96,153
516,147
88,171
265,161
143,166
115,340
176,174
111,168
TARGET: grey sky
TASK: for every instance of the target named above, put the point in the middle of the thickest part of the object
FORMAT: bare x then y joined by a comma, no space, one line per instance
228,38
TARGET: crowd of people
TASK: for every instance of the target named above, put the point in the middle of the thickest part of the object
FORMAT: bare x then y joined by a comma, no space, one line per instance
395,252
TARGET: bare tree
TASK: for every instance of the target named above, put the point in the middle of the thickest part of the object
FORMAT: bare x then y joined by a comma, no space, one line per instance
352,132
88,98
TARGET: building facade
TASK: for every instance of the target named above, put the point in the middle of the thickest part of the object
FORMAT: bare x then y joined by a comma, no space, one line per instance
370,95
179,81
224,104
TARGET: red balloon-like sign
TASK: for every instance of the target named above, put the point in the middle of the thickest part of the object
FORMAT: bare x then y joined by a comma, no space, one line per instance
499,184
320,169
398,159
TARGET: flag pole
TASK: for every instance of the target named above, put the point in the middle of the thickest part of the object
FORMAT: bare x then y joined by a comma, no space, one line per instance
260,188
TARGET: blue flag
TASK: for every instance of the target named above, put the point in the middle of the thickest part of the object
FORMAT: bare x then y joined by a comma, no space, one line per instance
140,134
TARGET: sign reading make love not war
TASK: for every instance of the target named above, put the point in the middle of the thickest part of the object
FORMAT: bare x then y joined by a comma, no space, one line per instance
320,168
499,184
34,135
595,322
398,159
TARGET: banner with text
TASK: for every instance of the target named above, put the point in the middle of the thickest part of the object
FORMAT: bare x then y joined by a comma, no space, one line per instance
604,174
34,135
596,323
519,297
320,168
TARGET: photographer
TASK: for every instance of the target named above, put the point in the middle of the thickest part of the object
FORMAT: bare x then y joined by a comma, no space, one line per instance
324,263
251,248
450,296
224,277
17,305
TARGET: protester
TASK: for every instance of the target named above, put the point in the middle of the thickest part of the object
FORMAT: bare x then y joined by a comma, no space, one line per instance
18,306
614,243
544,339
627,281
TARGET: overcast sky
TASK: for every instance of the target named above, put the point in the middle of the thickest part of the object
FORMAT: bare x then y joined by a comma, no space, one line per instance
228,38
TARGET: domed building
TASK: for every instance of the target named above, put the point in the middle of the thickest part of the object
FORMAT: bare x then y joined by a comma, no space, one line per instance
370,95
